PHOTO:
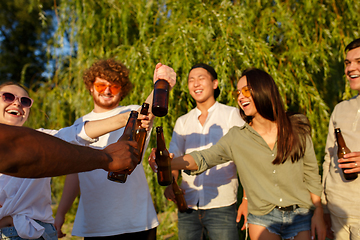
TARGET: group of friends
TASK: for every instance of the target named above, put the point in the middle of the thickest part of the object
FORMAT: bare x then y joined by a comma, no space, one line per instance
269,149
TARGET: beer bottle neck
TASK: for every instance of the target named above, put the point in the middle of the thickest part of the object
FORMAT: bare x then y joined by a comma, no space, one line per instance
130,127
144,109
340,140
160,142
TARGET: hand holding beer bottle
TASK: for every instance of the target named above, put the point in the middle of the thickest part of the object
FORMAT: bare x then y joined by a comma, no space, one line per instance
164,80
128,135
342,150
161,98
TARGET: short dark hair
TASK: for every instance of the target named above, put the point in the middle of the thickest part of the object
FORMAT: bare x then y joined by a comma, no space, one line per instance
352,45
212,72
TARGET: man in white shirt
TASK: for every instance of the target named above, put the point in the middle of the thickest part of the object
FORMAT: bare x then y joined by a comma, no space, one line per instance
107,209
211,196
341,197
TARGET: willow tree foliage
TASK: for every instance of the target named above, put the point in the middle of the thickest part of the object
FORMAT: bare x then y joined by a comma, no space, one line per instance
25,29
300,43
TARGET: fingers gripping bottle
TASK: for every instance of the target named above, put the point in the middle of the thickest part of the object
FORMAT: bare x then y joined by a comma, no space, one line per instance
342,150
128,135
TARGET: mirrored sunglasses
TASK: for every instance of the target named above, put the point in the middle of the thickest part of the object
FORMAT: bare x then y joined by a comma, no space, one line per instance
246,92
101,87
10,98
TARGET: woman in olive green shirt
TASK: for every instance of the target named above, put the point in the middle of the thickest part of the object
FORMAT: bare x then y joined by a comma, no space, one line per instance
275,159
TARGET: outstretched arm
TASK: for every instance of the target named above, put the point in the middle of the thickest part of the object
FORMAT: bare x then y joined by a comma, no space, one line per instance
25,152
185,162
97,128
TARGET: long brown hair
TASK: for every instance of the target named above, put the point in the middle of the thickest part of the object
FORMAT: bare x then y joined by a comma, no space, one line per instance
292,129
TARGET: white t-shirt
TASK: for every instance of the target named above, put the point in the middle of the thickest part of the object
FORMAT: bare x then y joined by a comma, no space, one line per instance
109,208
28,199
216,187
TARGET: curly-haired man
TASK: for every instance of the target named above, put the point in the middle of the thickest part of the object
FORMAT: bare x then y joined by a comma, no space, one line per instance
108,209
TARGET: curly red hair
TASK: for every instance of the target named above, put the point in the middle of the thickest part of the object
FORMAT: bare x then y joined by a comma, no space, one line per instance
111,71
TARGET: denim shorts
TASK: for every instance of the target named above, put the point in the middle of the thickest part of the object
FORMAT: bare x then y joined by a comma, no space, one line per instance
10,233
287,224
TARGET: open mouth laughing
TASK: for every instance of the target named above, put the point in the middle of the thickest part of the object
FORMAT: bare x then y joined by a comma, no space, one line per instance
244,104
352,76
14,112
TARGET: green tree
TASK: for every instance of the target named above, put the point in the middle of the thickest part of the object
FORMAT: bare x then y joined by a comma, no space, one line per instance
300,43
26,27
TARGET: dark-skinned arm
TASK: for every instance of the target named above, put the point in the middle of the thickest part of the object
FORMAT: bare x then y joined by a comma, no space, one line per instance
25,152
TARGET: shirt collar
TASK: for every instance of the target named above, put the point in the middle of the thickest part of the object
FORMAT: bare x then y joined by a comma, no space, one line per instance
211,109
256,136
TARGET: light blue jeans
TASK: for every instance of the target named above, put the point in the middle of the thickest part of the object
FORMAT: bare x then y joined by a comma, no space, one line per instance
218,223
287,224
10,233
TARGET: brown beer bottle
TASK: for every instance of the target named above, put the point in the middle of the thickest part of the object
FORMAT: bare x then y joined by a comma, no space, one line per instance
140,132
179,196
162,159
128,135
342,150
160,98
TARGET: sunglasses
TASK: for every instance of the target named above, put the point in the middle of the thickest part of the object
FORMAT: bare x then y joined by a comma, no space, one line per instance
101,87
246,92
10,98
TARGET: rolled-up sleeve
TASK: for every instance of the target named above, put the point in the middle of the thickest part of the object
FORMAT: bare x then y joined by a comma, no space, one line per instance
74,134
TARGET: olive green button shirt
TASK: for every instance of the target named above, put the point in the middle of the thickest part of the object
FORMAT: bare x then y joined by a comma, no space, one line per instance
266,185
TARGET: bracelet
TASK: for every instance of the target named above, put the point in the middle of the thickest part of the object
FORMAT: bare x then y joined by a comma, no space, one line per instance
245,198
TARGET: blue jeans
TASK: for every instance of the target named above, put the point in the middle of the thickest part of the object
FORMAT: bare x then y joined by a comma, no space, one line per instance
287,224
10,233
219,223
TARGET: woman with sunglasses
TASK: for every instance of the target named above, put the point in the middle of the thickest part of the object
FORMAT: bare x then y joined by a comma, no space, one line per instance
25,204
275,160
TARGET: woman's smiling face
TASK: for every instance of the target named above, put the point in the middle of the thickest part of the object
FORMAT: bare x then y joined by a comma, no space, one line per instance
13,113
245,103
